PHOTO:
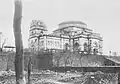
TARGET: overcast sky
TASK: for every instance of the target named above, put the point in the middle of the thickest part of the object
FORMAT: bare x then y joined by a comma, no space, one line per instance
103,16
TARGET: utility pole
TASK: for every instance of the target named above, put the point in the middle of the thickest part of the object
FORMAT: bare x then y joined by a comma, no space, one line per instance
19,58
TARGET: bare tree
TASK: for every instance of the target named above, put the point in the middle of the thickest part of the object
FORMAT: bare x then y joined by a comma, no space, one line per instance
19,58
57,56
67,55
71,58
77,50
1,49
29,69
3,44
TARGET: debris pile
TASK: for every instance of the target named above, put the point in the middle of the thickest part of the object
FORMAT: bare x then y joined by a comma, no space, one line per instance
51,77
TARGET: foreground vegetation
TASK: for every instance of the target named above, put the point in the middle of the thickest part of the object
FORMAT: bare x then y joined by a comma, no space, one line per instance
50,77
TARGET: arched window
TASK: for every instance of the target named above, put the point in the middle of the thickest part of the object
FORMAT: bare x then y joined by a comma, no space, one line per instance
95,51
41,32
76,45
85,47
66,46
31,33
95,44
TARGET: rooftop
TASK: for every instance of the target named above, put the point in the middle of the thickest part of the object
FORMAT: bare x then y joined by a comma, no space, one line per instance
72,22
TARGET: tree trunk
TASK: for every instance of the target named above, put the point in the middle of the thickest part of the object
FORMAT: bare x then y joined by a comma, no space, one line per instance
65,63
57,63
29,70
19,59
7,64
118,78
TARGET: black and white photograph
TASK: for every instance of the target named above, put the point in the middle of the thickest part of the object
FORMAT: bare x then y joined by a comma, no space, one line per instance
59,42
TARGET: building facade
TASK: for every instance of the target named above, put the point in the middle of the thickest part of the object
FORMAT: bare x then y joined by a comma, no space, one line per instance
70,34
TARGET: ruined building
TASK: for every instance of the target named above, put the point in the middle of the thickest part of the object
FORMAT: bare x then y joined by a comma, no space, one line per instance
68,35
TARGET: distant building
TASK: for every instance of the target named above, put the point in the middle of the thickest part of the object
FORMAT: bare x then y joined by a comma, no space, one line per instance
69,34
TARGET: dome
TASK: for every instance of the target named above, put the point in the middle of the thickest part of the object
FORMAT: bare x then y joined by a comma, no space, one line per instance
72,22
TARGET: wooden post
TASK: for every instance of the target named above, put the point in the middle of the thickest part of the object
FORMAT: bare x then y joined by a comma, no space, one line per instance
19,58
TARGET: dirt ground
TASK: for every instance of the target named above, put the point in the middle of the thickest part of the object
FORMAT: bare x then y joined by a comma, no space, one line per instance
59,78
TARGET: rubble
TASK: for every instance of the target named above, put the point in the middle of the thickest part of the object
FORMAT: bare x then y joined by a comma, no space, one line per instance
51,77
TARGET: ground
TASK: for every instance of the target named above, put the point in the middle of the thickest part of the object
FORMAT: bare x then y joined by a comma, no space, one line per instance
50,77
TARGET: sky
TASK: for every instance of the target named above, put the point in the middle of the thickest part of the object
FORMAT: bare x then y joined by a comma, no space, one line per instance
102,16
